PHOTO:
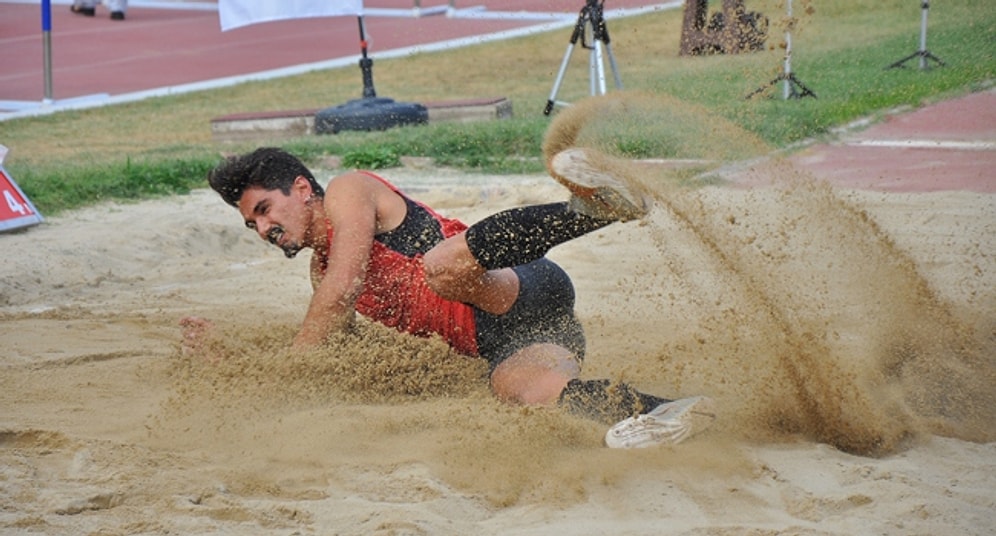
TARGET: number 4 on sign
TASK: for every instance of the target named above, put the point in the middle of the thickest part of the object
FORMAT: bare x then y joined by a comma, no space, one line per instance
14,204
16,210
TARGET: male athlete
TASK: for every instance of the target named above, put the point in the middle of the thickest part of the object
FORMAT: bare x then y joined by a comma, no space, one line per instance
486,289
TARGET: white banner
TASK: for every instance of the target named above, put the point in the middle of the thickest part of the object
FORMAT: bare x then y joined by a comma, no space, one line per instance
236,13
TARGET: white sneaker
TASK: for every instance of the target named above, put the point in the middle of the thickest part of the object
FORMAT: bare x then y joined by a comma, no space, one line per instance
667,424
596,191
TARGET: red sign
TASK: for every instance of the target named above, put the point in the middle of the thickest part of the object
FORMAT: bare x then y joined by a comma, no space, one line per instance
16,209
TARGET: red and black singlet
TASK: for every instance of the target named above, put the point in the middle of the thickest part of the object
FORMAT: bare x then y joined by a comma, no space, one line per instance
395,292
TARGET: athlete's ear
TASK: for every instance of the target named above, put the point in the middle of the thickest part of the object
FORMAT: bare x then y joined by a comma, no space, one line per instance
302,187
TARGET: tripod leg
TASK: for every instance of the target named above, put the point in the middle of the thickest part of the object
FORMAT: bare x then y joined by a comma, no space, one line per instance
901,63
577,33
613,66
560,78
764,87
596,69
928,56
600,33
806,92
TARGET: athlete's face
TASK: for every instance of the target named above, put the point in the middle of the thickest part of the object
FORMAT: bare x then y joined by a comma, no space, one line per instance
282,220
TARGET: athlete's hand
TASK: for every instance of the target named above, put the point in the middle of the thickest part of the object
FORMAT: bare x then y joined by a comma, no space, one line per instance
194,330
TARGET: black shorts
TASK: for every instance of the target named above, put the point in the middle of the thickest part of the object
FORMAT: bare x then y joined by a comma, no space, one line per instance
542,313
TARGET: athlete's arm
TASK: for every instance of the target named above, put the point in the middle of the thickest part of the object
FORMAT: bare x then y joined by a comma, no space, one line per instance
358,207
351,207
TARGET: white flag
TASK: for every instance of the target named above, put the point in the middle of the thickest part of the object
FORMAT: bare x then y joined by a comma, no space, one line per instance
236,13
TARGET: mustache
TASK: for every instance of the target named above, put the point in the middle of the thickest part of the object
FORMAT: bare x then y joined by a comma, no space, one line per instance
274,234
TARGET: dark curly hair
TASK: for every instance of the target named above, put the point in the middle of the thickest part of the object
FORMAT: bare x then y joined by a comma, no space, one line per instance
268,167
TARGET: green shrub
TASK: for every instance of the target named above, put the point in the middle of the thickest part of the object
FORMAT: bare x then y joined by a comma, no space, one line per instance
374,157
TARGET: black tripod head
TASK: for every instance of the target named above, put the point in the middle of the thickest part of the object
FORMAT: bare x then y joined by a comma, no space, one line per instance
592,13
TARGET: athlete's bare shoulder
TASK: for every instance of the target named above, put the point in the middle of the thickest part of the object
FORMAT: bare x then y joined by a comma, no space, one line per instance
353,196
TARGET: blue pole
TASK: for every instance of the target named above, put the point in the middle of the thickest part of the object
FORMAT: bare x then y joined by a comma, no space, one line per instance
46,22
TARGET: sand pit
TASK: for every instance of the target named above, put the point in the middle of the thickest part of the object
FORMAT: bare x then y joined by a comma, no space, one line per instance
847,336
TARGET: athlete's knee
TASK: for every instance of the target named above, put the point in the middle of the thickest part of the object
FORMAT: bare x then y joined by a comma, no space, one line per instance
449,267
535,375
542,388
438,274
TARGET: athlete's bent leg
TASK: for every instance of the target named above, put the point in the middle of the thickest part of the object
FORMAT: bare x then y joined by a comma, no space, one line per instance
548,374
472,267
535,375
452,272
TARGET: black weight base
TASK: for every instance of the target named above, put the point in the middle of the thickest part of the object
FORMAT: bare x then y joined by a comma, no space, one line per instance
370,113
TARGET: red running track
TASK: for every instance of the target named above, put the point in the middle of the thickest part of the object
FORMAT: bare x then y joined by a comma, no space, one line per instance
165,48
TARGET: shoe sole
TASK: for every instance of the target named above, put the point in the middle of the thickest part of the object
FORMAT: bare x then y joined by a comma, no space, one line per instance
573,170
680,420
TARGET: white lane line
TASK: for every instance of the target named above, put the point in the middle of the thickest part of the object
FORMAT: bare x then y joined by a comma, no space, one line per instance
927,144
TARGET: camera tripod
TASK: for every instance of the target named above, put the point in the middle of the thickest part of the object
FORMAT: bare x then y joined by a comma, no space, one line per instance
923,53
591,18
791,85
